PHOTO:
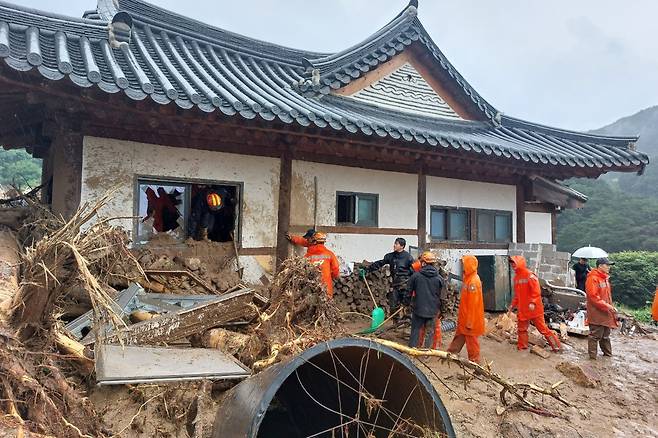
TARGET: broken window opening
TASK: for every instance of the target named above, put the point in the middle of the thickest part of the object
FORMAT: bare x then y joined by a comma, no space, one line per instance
213,215
180,210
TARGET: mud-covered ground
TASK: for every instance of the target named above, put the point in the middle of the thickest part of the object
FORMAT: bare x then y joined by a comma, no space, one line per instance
624,402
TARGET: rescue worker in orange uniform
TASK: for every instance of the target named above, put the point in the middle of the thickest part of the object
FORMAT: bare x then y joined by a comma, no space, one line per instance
470,316
319,255
527,299
654,308
601,314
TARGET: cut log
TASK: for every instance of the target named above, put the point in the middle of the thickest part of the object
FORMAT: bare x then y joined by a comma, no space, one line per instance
76,350
221,339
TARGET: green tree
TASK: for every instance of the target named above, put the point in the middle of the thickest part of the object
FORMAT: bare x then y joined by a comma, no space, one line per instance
611,219
18,168
634,277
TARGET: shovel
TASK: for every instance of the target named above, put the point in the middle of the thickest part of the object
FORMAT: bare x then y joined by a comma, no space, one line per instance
377,313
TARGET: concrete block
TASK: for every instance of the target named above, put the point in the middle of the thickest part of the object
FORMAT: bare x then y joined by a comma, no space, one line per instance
548,247
562,255
521,246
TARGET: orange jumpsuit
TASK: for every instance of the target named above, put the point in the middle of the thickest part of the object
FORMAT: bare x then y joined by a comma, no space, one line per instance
654,308
527,299
323,258
470,317
437,340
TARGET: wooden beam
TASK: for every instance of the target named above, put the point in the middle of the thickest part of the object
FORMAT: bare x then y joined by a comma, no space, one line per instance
346,229
467,245
283,220
554,227
374,75
422,208
520,211
177,325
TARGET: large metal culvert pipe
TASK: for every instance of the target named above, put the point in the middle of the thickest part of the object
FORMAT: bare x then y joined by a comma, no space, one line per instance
342,388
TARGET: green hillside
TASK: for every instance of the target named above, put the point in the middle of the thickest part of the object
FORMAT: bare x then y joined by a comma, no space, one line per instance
18,168
622,212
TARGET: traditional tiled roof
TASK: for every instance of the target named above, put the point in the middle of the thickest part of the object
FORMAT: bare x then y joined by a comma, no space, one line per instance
141,50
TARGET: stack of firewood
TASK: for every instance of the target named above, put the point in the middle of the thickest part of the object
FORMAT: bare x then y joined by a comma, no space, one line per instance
351,294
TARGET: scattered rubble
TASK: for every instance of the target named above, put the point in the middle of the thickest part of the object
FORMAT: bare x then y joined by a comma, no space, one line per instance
580,374
504,327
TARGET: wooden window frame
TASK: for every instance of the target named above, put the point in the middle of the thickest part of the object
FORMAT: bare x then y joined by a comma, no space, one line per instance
447,209
494,213
151,179
356,222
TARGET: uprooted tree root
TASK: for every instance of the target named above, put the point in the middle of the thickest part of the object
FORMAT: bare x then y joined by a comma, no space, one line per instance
39,397
518,391
36,393
299,316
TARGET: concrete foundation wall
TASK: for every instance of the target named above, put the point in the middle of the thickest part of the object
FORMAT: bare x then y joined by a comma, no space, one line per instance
446,192
538,227
109,163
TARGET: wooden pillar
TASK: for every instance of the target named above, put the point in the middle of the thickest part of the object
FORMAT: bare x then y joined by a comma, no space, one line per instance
422,208
283,223
554,214
520,211
67,172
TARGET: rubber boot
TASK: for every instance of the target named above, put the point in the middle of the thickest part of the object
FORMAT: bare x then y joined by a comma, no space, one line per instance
592,348
606,347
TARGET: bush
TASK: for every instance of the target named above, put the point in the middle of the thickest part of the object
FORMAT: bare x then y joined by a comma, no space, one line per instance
634,277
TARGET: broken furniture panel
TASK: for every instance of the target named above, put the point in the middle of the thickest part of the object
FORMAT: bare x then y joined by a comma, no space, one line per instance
126,300
186,322
117,365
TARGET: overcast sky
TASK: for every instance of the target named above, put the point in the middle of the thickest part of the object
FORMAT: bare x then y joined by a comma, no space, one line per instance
577,64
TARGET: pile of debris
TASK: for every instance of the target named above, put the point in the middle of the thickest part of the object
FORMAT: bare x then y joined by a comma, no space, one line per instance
86,308
503,328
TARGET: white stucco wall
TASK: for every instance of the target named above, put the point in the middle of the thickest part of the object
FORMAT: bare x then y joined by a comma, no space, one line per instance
109,163
397,193
449,192
397,196
538,227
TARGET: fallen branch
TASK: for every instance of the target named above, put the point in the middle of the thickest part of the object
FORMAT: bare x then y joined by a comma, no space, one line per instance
517,390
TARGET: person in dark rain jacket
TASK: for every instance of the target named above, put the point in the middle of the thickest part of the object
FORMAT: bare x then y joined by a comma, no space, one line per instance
399,262
425,287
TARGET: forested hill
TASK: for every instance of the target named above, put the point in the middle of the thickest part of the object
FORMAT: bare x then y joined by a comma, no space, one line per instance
622,212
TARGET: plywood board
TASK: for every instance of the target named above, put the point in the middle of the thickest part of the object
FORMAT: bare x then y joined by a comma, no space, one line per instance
116,364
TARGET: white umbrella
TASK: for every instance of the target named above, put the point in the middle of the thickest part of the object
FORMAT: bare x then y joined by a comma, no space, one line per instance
589,252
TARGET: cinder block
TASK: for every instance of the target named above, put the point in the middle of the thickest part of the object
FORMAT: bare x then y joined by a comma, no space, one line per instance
522,246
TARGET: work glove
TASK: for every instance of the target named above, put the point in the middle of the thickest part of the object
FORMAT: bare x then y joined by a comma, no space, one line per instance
288,236
362,273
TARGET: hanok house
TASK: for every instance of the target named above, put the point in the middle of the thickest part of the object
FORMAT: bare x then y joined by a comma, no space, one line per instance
133,97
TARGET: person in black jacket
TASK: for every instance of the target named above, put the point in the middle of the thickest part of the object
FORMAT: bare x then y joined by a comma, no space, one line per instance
581,269
399,262
426,286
